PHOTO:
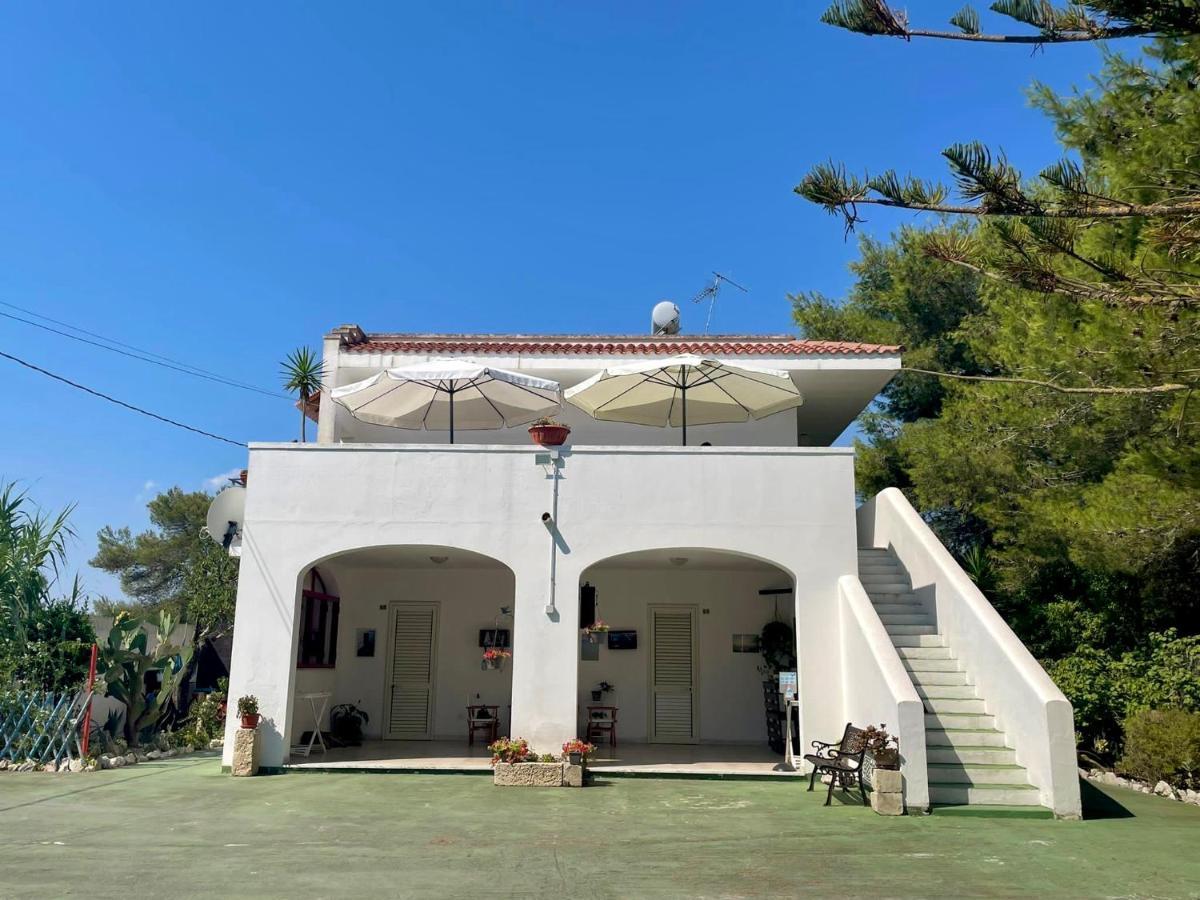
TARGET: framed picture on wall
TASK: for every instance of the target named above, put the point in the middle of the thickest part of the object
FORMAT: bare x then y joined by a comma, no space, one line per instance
364,641
495,637
622,640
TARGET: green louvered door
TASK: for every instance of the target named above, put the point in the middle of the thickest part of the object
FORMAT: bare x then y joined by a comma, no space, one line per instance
673,675
412,663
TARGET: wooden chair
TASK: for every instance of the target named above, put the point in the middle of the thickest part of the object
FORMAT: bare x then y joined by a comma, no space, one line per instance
602,720
842,761
483,718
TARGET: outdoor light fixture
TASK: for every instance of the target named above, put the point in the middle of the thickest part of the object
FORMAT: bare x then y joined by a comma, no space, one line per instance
679,560
438,560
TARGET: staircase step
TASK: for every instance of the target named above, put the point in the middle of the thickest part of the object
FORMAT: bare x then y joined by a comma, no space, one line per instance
909,618
977,773
901,609
924,654
987,794
999,756
955,705
889,588
911,629
925,666
958,720
964,737
945,691
936,680
916,640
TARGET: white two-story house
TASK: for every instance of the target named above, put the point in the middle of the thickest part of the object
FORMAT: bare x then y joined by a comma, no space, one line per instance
377,564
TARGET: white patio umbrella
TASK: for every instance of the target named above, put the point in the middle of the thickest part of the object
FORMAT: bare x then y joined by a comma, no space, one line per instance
685,389
449,394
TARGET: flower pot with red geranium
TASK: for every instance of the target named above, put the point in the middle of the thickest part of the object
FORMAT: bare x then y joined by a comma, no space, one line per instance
594,631
549,433
248,711
494,657
577,752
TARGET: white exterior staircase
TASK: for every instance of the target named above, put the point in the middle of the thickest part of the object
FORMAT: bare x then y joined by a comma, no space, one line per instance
969,760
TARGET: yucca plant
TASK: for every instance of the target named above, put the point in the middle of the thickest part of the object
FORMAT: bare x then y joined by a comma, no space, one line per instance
303,373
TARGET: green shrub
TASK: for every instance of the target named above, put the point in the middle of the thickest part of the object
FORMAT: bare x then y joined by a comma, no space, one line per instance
1163,745
1106,690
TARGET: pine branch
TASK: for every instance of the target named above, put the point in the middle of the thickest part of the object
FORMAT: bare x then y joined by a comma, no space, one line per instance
1051,386
1091,20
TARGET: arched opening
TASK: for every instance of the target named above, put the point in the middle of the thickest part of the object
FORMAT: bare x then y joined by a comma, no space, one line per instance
678,677
402,657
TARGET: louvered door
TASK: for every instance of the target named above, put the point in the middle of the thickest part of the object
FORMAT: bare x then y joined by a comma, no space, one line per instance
673,675
411,667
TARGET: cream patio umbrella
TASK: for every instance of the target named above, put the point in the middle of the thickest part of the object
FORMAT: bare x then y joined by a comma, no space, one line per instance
685,389
449,394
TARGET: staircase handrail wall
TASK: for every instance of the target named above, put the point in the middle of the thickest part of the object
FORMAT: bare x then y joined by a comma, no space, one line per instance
1027,705
877,688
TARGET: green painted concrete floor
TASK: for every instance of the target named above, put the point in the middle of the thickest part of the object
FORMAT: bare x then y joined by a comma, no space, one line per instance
180,828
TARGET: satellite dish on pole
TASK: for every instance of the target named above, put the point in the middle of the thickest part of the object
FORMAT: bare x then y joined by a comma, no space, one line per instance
665,318
225,516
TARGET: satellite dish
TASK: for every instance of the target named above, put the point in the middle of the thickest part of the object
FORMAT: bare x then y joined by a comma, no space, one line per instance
665,318
225,516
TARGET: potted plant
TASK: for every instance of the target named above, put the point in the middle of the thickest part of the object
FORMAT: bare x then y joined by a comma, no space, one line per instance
593,631
248,711
601,689
511,750
883,747
577,752
346,723
494,657
549,433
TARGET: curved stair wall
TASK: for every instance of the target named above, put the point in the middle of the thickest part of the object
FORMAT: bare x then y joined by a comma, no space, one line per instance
1025,704
877,690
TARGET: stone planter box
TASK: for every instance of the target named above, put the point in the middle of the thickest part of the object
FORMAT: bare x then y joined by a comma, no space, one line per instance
887,795
537,774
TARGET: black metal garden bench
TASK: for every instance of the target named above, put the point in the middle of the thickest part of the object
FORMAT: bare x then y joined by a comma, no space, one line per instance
842,761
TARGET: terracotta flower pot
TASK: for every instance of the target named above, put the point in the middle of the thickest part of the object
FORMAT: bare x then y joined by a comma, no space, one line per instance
251,720
549,435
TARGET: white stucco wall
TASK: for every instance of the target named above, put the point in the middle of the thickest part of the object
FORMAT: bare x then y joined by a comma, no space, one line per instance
307,503
729,685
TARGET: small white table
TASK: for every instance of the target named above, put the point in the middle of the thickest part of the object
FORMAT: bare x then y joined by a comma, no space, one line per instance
317,712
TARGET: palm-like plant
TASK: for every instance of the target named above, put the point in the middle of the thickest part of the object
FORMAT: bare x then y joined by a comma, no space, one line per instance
303,373
33,546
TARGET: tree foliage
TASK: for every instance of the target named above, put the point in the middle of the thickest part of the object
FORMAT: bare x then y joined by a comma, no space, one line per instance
172,566
1081,502
45,640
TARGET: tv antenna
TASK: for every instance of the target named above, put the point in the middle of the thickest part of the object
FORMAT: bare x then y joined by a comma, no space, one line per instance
710,294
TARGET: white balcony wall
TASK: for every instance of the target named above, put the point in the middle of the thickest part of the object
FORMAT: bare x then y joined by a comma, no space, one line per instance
792,507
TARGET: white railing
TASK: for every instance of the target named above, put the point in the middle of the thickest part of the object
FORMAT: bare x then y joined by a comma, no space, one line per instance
877,689
1028,706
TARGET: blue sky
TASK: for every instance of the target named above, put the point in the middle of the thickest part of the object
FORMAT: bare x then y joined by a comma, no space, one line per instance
221,183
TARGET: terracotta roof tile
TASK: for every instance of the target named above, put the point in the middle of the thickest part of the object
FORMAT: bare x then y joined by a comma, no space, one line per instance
599,345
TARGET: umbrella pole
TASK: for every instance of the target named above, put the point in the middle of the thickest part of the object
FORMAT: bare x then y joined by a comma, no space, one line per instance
683,389
451,415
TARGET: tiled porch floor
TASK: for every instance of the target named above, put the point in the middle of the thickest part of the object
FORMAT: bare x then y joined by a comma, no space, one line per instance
627,758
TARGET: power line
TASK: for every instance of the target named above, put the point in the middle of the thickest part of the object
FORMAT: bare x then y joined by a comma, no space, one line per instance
129,406
148,356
